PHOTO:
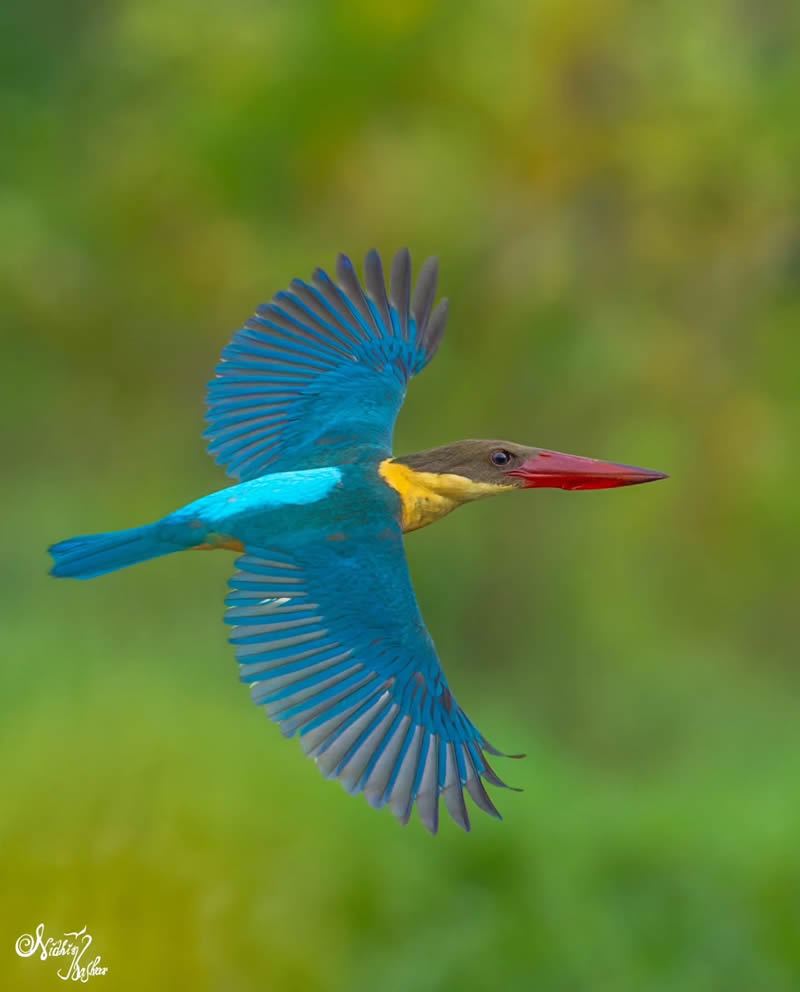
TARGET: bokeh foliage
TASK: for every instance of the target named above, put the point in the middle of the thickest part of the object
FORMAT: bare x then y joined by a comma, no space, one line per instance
612,189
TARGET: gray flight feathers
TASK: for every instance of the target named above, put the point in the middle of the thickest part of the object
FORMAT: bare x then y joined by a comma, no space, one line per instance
430,321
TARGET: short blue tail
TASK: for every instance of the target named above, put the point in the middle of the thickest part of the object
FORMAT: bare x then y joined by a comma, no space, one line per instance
95,554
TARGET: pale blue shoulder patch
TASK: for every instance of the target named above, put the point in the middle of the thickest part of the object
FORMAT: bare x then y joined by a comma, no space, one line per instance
269,492
289,488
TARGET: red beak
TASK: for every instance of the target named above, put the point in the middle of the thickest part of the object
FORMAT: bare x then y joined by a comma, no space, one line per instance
556,470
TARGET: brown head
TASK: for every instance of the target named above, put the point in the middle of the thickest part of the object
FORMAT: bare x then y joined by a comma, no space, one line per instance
433,482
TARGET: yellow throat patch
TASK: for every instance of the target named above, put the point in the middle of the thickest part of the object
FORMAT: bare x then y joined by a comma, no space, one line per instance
427,496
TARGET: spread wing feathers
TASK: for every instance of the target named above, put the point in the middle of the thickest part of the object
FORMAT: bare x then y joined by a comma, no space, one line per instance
357,677
324,364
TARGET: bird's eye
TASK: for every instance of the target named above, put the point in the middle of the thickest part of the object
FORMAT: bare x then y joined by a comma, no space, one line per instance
501,457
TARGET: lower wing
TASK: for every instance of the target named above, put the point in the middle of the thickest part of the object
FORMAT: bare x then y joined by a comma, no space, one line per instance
330,638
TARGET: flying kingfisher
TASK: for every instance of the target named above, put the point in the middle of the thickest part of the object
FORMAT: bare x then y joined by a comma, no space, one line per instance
326,626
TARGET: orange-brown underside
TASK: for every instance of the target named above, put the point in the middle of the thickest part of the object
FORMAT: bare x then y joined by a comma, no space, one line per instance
219,541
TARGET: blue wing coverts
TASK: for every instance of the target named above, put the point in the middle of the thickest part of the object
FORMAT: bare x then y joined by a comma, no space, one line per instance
325,365
332,642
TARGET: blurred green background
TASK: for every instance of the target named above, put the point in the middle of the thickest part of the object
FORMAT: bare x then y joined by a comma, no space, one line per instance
613,192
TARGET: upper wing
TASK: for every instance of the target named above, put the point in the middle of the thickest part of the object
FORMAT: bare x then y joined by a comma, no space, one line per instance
331,639
322,365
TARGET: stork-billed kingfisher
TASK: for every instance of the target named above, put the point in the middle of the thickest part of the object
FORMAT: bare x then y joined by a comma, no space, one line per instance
326,626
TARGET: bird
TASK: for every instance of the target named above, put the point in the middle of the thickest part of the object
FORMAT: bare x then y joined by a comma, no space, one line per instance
325,624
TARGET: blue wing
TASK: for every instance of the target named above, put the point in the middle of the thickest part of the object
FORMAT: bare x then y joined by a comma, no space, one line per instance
332,642
322,366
